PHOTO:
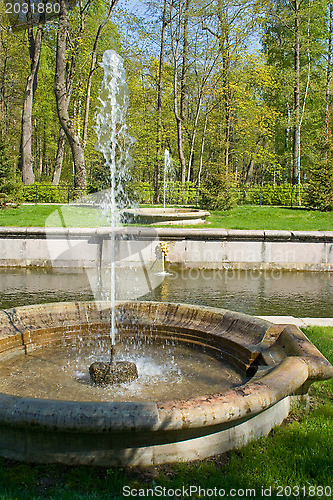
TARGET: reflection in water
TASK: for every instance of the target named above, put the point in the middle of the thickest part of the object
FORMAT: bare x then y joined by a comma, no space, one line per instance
20,287
300,294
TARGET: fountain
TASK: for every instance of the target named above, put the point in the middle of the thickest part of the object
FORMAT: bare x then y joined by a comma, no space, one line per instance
166,215
114,143
167,172
208,380
217,380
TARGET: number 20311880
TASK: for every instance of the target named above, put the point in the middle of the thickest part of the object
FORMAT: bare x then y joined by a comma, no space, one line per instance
35,7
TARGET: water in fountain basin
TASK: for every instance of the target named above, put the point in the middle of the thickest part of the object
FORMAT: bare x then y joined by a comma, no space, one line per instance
167,370
115,143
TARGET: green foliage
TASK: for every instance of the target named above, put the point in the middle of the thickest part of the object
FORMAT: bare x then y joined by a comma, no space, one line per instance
143,192
99,177
319,190
43,192
219,192
10,184
179,194
284,194
257,88
176,193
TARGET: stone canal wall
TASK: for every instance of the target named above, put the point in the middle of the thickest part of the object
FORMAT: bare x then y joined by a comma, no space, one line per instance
208,248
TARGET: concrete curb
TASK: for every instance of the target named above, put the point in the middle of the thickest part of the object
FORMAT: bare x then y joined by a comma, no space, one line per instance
206,248
291,320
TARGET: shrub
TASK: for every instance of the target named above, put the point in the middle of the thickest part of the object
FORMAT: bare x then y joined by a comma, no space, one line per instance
283,194
319,189
176,193
10,184
142,192
179,194
43,192
219,192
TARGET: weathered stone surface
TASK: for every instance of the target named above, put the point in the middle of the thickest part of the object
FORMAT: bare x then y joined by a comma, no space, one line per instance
153,432
113,373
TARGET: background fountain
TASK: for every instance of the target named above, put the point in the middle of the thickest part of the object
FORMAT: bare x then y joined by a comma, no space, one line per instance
166,215
167,173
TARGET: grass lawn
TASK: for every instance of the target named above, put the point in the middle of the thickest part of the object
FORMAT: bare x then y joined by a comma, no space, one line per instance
51,216
245,217
299,454
256,217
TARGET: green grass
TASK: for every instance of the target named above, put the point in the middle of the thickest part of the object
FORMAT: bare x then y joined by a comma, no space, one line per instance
277,218
245,217
51,216
297,454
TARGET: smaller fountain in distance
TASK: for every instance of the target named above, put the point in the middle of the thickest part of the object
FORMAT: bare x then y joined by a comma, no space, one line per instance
114,142
167,173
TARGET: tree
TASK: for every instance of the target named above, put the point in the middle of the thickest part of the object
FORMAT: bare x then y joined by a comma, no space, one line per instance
113,3
328,77
231,23
66,60
293,42
35,47
159,107
179,11
10,185
319,190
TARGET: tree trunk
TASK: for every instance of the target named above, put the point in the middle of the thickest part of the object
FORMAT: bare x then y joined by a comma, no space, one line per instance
35,46
175,52
250,168
194,133
157,179
91,72
63,91
227,103
59,158
180,139
328,80
296,128
184,63
202,150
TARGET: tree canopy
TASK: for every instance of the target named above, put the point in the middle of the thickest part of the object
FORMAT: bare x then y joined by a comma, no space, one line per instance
239,92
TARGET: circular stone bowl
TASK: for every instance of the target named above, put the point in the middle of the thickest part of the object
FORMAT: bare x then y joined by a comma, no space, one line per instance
280,360
168,215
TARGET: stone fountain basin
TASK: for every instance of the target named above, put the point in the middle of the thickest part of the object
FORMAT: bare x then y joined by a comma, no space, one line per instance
280,360
168,215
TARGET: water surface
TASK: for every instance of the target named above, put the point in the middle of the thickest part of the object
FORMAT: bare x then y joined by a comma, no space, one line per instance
300,294
167,370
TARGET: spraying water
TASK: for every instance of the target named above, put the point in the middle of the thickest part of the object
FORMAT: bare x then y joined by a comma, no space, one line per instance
167,171
114,142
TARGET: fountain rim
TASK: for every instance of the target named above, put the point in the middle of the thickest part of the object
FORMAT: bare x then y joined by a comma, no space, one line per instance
164,215
302,365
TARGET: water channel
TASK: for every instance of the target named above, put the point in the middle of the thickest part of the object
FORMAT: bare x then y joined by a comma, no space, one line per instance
299,294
